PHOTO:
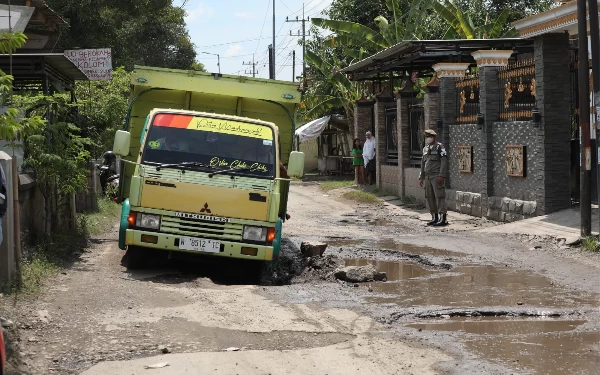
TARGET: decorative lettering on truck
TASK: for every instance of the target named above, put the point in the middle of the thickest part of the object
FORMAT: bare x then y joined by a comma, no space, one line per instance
185,215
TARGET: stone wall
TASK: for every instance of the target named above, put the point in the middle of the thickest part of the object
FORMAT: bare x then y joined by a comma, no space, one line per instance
464,202
463,135
509,210
389,178
520,133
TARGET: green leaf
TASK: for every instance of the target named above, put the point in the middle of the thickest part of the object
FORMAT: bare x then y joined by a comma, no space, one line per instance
355,29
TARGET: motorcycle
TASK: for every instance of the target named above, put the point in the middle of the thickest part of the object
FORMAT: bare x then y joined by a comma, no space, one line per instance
109,179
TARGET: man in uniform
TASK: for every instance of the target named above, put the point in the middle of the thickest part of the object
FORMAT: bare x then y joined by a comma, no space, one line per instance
434,170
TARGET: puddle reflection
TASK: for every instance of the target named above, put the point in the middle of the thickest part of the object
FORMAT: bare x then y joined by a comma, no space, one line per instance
482,286
498,326
394,270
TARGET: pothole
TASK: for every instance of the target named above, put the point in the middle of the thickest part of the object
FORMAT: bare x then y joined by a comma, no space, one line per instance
495,326
394,270
481,286
550,354
414,249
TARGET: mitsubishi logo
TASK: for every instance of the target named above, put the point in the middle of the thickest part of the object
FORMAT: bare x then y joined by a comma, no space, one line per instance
206,209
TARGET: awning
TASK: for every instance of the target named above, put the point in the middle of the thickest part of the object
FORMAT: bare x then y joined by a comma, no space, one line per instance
313,129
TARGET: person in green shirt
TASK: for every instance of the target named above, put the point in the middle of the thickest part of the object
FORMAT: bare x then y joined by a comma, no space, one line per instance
358,162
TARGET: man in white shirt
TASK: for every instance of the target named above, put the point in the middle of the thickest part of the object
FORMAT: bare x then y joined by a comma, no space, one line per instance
369,158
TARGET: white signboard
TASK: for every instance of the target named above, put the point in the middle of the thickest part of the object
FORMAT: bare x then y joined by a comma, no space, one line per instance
95,63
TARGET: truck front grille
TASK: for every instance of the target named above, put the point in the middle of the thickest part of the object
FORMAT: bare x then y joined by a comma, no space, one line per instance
201,228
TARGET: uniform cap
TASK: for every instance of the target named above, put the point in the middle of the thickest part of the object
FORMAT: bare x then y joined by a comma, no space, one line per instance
430,132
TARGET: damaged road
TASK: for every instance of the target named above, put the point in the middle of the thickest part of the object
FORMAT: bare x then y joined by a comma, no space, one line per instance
453,301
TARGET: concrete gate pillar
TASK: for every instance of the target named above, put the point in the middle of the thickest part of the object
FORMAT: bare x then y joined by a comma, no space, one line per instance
554,130
403,100
7,248
382,102
447,73
488,62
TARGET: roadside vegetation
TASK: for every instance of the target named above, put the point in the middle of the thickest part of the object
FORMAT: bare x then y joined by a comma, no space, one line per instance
339,184
590,244
361,196
52,254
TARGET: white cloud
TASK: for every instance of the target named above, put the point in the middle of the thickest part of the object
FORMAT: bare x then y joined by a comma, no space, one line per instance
233,50
199,13
244,15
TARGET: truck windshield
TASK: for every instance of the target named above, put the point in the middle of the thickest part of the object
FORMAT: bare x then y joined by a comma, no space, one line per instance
219,143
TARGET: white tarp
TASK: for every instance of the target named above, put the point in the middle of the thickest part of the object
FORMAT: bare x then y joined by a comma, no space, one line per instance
313,129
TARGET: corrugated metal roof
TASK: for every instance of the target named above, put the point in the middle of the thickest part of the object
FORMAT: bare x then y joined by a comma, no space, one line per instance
58,61
419,55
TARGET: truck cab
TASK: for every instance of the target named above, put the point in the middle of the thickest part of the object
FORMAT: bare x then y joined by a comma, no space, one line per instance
205,182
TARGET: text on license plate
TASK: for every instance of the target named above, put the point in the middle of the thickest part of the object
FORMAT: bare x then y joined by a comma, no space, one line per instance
199,244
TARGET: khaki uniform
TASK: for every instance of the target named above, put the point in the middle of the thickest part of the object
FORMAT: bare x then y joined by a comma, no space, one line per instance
434,165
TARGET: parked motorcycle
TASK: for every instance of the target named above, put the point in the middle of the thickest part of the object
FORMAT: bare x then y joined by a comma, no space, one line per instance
109,179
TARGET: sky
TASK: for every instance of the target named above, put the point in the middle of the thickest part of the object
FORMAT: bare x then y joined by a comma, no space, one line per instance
237,29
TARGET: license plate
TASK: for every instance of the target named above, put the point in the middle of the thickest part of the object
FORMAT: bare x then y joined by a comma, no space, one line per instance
199,244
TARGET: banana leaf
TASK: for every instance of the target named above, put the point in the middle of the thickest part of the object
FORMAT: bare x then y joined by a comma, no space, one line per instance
357,30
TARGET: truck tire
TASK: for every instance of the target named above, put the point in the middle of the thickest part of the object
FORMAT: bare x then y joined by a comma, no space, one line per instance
136,258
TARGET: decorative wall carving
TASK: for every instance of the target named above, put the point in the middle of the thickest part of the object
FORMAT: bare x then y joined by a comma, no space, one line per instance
465,159
514,159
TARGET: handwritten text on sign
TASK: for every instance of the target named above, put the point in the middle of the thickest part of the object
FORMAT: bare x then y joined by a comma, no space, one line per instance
96,64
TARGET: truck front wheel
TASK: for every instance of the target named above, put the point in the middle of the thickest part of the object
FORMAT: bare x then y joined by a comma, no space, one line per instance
136,258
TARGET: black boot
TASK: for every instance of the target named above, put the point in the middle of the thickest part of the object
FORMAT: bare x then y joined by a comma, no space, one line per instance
434,219
442,221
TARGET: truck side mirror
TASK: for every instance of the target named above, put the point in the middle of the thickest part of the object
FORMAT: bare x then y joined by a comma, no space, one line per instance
122,143
296,164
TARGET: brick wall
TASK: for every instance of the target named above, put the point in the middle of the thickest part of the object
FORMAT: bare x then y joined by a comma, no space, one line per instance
363,118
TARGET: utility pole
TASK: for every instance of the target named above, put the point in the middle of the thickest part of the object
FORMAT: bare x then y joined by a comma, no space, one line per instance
273,61
253,63
294,66
584,121
595,42
303,35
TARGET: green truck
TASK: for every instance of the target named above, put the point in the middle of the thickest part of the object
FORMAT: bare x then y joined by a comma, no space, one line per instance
203,164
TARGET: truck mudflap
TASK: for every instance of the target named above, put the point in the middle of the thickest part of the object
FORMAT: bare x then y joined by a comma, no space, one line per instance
277,240
124,224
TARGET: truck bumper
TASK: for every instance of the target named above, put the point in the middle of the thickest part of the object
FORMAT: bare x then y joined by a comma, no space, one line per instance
168,242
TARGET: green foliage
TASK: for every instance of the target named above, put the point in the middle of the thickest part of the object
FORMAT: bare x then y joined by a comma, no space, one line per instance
591,244
102,108
9,42
57,153
143,32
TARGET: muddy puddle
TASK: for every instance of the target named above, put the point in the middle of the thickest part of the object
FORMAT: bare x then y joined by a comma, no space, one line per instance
482,286
394,270
344,242
548,354
500,326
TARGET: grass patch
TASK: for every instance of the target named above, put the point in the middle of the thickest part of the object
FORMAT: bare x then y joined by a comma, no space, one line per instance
591,244
332,185
99,222
51,254
361,196
384,193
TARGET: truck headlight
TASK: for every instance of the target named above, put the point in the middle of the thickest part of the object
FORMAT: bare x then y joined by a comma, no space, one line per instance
148,221
254,233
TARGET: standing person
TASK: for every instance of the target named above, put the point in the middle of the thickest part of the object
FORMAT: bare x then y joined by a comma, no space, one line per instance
358,162
369,158
434,170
